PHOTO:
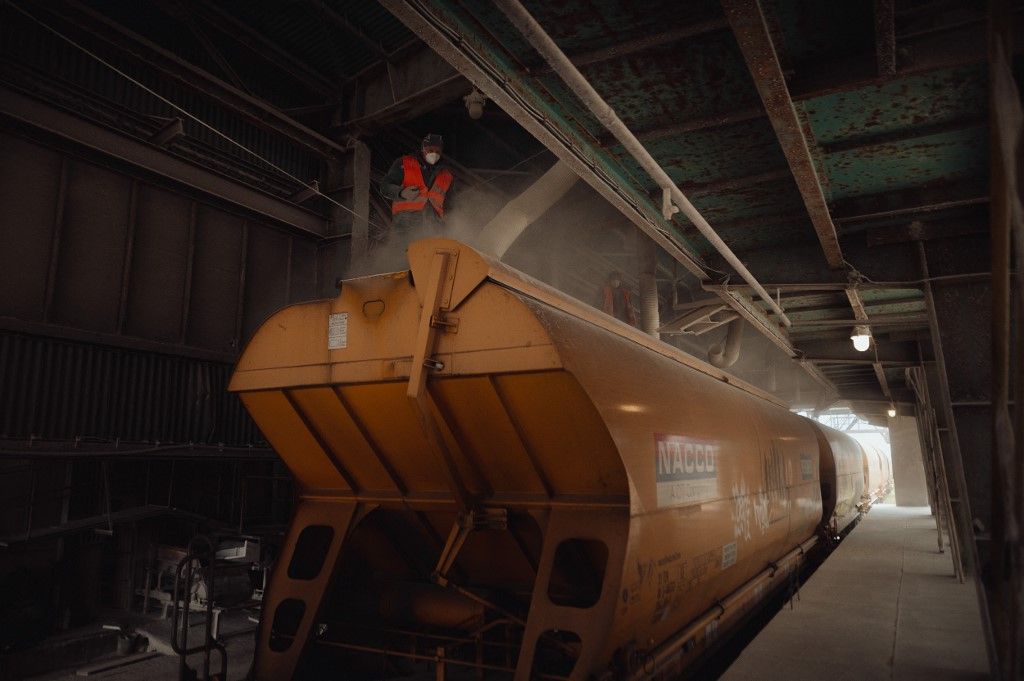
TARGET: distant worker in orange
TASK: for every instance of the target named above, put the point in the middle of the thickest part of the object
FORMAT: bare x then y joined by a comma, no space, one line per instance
615,299
418,186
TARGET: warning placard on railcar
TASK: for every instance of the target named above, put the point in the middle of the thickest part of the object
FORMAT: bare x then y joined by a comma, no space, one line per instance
686,470
337,331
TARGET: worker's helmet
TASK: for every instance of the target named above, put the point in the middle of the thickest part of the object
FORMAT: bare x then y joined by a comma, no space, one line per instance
433,140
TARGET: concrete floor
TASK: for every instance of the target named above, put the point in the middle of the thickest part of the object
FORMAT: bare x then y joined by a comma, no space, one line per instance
885,605
236,633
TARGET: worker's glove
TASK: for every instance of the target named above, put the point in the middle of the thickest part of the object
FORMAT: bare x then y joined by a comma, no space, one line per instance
410,193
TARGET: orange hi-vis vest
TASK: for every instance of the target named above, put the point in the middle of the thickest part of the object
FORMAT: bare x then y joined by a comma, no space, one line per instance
413,177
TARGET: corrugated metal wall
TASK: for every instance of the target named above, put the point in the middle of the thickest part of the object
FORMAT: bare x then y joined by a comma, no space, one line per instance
60,389
89,248
152,292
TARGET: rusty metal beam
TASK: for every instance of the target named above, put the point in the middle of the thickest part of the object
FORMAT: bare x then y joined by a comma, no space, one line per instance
890,320
855,362
883,382
752,34
692,124
734,183
913,210
904,135
885,37
824,79
624,49
919,230
957,46
856,304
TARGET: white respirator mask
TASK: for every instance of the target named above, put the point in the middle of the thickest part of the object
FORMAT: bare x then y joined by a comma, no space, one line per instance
432,157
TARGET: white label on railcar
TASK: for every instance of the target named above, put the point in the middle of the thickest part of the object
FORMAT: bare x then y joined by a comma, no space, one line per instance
337,331
806,467
728,555
686,470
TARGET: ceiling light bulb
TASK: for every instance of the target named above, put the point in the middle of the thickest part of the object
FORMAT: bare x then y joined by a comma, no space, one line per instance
891,411
861,338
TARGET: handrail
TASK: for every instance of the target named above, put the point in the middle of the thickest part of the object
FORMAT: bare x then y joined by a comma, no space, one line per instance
180,646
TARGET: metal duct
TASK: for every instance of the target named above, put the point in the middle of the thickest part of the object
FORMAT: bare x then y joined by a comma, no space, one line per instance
725,355
511,221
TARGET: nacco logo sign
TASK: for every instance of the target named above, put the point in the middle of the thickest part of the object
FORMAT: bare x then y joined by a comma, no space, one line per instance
683,458
686,470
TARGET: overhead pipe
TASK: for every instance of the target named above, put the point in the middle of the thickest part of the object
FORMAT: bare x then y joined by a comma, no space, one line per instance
725,354
672,196
512,220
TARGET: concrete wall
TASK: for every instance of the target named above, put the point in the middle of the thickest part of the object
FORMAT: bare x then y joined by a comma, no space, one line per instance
907,464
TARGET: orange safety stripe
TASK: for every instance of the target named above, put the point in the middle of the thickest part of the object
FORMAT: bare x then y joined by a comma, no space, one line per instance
412,176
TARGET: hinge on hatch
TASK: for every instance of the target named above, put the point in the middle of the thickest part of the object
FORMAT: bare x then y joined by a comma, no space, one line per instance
446,323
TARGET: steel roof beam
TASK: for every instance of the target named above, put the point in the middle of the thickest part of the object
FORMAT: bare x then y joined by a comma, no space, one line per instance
752,34
907,134
927,53
156,160
260,45
841,349
257,111
177,11
883,382
856,304
734,183
890,320
693,124
817,287
885,37
840,361
629,47
343,22
817,81
797,309
913,210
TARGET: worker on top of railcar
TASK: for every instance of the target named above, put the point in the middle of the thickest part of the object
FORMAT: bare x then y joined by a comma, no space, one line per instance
616,300
418,186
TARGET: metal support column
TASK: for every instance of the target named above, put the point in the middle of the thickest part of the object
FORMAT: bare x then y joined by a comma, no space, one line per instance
360,201
958,320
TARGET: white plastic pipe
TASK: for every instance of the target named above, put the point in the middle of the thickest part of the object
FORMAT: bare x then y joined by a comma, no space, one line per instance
522,211
560,64
725,354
